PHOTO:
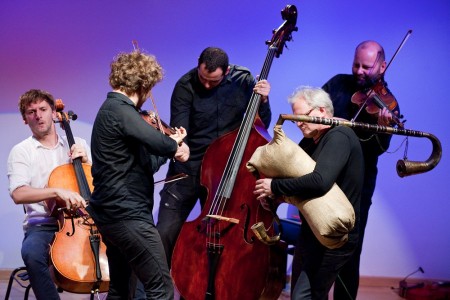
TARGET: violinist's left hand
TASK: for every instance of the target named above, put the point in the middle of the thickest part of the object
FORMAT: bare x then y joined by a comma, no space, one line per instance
78,151
262,87
384,117
179,135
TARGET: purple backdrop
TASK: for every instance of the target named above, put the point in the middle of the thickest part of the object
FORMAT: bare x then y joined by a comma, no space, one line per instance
65,47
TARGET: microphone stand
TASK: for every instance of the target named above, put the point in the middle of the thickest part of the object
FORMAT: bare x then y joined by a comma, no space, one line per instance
403,285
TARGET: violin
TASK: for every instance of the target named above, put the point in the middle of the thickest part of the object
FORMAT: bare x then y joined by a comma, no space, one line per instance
151,118
375,99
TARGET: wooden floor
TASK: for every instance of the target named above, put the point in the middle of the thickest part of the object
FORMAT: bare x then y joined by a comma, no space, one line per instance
369,290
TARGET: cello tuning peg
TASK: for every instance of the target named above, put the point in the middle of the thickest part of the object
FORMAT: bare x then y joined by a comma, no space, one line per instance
73,116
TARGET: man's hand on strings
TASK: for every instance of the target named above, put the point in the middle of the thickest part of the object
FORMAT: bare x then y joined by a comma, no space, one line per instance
262,87
78,151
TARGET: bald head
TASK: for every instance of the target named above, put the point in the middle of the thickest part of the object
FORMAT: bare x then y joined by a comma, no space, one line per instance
372,47
369,63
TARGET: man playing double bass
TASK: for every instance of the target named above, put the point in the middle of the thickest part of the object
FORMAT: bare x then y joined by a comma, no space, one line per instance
209,101
29,166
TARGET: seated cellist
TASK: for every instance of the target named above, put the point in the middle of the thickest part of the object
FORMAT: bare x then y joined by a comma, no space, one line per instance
29,165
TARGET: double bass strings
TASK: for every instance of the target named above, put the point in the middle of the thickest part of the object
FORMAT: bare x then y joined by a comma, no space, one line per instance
229,176
227,181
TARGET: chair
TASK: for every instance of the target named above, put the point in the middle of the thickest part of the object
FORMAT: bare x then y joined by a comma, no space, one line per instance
19,275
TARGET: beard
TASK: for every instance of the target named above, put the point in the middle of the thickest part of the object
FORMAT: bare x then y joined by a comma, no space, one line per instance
366,81
363,81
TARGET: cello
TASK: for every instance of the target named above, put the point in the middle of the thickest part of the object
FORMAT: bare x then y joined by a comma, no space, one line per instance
216,255
77,254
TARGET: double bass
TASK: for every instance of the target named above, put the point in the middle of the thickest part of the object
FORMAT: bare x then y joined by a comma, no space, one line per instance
216,255
77,254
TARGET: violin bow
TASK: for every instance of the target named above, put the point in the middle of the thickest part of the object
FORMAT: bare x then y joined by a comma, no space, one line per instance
172,178
408,34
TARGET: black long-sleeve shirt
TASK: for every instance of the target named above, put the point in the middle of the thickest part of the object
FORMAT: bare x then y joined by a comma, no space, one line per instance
341,88
209,114
122,171
339,160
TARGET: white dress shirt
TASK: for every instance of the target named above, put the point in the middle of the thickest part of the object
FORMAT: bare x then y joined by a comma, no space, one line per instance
30,164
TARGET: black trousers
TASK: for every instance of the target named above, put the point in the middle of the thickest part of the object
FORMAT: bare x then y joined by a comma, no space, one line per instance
134,245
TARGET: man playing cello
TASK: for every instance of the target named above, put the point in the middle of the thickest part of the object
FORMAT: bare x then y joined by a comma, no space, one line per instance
29,165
